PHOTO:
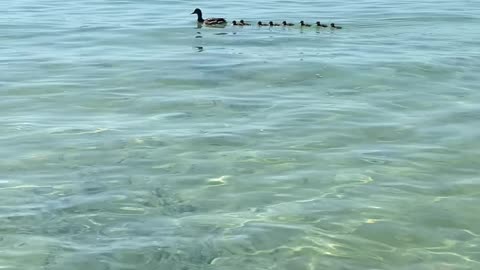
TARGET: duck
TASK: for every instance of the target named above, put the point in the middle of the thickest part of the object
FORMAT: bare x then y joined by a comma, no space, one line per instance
261,24
302,23
235,23
334,26
242,22
209,21
273,24
284,23
321,25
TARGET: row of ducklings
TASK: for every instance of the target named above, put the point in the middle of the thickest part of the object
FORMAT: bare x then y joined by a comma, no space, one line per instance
284,23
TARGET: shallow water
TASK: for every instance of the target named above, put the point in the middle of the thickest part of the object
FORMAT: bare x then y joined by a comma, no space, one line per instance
133,140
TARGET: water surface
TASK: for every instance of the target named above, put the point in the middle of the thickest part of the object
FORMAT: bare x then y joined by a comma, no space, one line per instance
133,140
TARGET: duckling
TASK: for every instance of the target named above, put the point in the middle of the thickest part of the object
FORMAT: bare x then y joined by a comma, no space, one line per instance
242,22
209,21
273,24
284,23
321,25
334,26
302,23
261,24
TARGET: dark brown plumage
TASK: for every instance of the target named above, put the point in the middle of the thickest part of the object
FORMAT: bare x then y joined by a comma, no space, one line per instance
209,21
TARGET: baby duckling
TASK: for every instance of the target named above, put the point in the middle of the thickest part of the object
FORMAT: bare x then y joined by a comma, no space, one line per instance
284,23
261,24
321,25
273,24
334,26
302,23
242,22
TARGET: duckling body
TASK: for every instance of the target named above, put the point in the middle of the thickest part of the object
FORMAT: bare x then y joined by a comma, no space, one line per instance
284,23
273,24
334,26
302,23
209,21
321,25
262,24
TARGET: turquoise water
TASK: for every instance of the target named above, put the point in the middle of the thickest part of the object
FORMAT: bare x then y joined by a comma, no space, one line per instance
133,140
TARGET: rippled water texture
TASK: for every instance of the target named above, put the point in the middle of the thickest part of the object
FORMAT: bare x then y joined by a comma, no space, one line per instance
130,139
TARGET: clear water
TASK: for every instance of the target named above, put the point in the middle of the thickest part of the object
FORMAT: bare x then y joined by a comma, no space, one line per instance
132,140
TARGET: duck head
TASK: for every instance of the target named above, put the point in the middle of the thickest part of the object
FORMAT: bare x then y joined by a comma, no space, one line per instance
270,23
242,21
199,15
284,23
259,23
319,24
235,22
197,11
302,23
332,25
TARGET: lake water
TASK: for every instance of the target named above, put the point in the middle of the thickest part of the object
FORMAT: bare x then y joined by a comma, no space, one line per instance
130,139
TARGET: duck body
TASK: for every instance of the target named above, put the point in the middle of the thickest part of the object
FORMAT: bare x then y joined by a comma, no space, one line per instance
273,24
209,21
302,23
321,25
262,24
242,22
334,26
284,23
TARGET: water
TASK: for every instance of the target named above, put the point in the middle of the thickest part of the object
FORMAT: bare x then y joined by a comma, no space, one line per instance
132,140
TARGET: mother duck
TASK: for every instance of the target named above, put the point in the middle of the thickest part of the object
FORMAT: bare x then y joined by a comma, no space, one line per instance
209,21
